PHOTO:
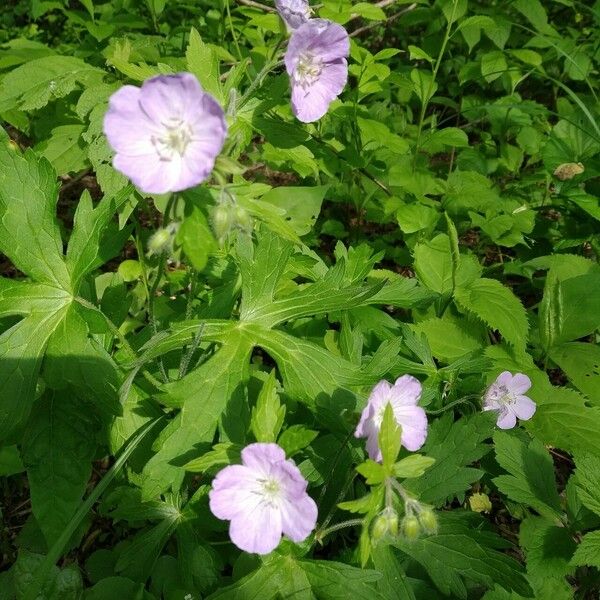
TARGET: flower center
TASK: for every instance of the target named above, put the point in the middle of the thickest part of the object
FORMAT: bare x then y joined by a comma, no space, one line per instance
270,490
176,136
308,69
502,395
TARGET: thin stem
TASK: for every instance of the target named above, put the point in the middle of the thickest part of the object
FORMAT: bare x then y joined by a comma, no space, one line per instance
269,65
403,493
425,102
452,404
321,534
232,29
151,302
389,20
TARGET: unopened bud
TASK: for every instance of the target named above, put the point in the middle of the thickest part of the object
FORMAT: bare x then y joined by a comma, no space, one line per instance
162,239
385,524
428,521
411,527
221,221
243,219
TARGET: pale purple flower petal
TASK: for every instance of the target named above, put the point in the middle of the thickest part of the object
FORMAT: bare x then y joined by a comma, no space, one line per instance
298,518
261,457
294,12
316,63
524,407
413,421
520,384
506,419
505,396
263,498
257,530
407,390
166,134
403,396
233,486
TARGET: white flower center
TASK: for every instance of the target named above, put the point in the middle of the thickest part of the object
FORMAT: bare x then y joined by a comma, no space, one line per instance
502,395
174,139
308,69
270,490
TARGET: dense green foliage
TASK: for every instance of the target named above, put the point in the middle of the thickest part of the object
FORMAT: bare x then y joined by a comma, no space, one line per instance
441,220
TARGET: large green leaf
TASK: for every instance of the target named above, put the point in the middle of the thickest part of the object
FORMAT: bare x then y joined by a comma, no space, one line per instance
548,549
588,480
29,230
37,82
58,446
588,552
498,307
570,308
581,362
531,480
30,237
563,420
204,395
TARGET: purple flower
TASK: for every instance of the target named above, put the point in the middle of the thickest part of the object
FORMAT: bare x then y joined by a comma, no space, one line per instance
263,498
506,395
403,396
166,134
293,12
316,63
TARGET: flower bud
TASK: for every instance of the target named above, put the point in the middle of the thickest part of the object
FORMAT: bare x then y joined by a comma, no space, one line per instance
243,219
428,521
411,527
386,523
162,239
221,221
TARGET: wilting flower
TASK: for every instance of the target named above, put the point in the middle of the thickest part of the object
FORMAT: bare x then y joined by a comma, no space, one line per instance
403,396
316,63
506,395
293,12
263,498
166,134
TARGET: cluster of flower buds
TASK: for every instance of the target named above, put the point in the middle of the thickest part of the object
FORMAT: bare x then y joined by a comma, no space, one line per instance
418,520
229,215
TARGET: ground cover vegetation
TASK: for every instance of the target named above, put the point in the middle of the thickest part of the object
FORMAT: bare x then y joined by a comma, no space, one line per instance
299,301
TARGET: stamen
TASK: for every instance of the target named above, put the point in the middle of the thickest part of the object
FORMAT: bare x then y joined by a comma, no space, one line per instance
308,70
176,136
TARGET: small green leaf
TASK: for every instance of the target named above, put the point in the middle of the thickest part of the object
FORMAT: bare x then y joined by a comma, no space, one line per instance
221,455
413,466
203,62
372,471
196,238
268,414
417,53
296,438
389,438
